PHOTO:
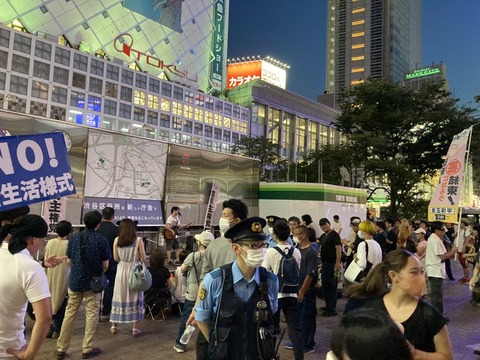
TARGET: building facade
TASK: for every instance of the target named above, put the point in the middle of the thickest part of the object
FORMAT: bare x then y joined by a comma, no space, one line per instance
378,38
436,73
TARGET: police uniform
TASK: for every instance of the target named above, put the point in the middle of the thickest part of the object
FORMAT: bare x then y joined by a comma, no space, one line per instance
271,220
230,304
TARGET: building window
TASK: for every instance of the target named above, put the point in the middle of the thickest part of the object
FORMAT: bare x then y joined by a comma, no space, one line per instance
60,75
165,105
127,77
96,67
77,99
138,114
59,94
94,103
198,129
208,144
152,101
80,62
358,46
235,137
3,59
111,89
43,50
188,111
3,79
79,80
166,89
21,64
227,122
38,108
219,106
358,22
358,70
126,93
357,58
235,125
39,90
177,123
226,135
96,85
358,34
41,70
358,10
62,56
177,93
164,135
217,134
199,100
22,43
244,114
141,81
357,82
217,146
208,131
189,97
177,108
125,111
227,108
199,114
110,107
152,117
57,112
165,120
209,103
243,127
236,111
218,120
4,37
154,85
112,72
208,117
188,126
140,97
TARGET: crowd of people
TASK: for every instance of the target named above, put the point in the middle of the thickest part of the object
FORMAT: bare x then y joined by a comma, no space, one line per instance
237,288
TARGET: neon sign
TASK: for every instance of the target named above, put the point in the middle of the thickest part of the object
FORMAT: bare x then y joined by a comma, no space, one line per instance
121,46
422,72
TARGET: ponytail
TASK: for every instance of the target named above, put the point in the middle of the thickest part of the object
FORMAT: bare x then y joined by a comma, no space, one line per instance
375,284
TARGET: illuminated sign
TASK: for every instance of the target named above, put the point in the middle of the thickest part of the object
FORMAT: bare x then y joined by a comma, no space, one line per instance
216,76
422,72
121,46
243,72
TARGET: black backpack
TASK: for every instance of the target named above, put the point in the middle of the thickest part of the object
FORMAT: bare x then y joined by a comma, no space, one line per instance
288,272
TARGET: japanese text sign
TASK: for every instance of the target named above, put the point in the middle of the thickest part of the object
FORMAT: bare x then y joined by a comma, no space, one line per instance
33,168
218,48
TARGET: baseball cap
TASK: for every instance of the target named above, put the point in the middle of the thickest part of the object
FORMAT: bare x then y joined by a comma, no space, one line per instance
420,231
355,222
205,237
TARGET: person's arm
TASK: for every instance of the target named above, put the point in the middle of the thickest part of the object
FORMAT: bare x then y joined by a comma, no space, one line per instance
474,277
305,286
443,348
105,265
361,255
449,254
338,256
141,250
43,319
116,257
205,329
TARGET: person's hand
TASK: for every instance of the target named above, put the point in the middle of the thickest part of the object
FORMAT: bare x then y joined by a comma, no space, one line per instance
19,354
52,261
338,266
454,250
471,284
300,296
191,319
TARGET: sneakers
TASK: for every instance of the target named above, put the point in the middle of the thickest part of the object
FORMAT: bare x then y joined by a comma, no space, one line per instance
308,351
464,281
179,348
94,352
59,355
104,318
288,346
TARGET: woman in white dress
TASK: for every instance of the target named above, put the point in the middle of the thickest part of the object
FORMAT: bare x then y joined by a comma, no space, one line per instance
127,305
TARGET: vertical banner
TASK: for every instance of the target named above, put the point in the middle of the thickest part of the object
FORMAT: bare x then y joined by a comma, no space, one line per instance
216,75
211,206
53,211
445,203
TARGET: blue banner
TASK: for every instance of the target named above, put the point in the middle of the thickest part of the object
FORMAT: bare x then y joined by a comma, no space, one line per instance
33,168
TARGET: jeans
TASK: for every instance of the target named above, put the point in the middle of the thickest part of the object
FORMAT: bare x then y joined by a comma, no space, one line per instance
187,310
290,308
58,317
329,286
108,293
92,304
436,294
308,316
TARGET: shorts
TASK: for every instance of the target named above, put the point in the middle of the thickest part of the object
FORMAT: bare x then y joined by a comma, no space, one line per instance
172,244
462,260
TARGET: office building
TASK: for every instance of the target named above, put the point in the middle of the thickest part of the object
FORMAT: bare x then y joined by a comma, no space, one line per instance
415,79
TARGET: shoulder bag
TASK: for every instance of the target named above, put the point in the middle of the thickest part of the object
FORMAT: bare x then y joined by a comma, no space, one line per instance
140,278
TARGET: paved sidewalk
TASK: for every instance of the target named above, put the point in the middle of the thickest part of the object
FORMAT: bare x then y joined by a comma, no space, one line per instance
158,338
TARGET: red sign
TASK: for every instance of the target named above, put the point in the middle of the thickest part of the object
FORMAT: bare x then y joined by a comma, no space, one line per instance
241,73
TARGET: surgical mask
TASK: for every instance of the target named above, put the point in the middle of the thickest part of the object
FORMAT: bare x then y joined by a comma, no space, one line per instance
361,234
296,240
254,258
224,225
270,231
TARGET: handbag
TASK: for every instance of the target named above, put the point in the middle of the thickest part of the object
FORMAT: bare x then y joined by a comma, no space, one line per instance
140,278
354,272
97,283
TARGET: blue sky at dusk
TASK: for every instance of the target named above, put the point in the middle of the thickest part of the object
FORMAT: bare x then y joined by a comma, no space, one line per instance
295,34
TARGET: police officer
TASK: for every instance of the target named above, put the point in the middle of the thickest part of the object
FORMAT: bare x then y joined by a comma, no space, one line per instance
238,300
272,220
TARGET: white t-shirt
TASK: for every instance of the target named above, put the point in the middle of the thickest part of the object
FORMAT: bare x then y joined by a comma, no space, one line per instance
273,259
173,221
337,226
434,267
462,235
23,280
374,254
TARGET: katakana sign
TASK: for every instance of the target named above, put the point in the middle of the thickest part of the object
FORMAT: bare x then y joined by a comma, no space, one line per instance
218,50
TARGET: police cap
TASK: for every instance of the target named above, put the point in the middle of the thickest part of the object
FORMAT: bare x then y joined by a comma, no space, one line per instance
272,219
248,229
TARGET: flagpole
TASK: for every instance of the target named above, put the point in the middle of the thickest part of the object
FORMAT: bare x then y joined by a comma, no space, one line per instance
460,213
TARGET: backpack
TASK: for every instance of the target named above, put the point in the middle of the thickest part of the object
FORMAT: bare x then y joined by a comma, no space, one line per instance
288,272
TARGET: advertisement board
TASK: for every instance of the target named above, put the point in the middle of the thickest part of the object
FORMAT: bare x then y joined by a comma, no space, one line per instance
244,72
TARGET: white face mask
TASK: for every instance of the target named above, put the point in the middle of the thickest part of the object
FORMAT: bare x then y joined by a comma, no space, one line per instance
270,231
254,258
295,240
224,225
361,234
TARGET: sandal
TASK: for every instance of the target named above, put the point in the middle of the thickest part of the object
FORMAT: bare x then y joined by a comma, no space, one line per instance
136,332
113,330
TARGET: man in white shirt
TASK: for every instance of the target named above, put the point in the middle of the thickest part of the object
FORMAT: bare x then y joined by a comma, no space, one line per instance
286,301
435,263
337,225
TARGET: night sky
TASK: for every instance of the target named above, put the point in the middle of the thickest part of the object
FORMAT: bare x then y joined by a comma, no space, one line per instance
296,35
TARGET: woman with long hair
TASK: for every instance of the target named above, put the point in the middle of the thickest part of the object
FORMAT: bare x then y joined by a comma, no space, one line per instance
127,305
394,287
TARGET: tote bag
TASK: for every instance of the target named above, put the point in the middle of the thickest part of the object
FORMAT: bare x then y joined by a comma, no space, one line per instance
140,278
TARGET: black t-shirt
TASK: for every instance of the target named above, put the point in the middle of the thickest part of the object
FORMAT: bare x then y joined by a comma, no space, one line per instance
110,231
308,264
160,275
328,242
391,236
421,327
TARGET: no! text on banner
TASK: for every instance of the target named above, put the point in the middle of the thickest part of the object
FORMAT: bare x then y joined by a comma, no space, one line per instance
33,168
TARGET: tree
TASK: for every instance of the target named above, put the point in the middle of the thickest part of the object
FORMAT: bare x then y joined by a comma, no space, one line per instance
272,166
400,135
